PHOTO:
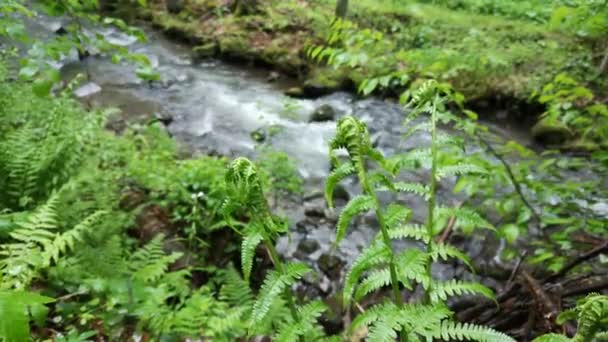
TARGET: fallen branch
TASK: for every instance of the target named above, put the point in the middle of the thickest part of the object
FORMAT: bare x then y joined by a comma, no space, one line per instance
603,248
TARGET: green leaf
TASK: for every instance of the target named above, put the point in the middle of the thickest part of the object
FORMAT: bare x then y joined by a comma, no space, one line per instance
249,245
14,317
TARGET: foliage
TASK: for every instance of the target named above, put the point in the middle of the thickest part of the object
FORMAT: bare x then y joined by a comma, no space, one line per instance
411,267
591,313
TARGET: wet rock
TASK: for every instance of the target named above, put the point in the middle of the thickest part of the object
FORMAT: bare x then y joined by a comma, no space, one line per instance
341,195
331,265
314,210
87,90
205,51
581,145
551,132
305,248
324,285
273,76
131,198
164,118
323,113
259,135
295,92
174,6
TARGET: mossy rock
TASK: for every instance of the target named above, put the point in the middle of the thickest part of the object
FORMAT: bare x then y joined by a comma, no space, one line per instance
551,132
323,81
205,51
235,46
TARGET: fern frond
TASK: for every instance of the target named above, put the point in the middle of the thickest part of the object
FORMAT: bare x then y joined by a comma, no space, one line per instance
464,217
376,254
150,262
375,280
415,188
373,314
307,325
442,290
352,135
356,206
235,290
592,316
411,265
334,178
409,231
272,288
250,243
65,242
445,251
15,308
413,159
450,331
396,214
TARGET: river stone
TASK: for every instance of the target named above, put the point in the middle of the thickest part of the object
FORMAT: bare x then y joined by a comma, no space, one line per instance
164,118
295,92
259,135
323,113
273,76
306,247
87,90
600,209
174,6
551,132
331,265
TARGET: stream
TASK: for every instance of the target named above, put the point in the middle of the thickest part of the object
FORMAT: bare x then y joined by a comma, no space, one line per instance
213,107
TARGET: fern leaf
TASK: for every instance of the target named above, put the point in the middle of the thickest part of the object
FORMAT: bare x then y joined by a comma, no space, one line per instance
377,279
150,262
356,206
235,290
450,331
396,214
249,245
373,255
442,290
411,265
415,188
445,252
334,178
272,288
466,218
409,231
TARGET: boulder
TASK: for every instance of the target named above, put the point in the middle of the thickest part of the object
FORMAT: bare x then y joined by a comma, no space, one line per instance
551,132
259,135
331,265
323,113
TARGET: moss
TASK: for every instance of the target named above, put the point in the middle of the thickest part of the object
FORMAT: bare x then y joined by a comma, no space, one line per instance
235,46
551,132
206,50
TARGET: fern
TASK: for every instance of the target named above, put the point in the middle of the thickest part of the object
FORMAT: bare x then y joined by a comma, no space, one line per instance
441,291
383,267
335,177
274,284
374,255
356,206
35,246
450,331
150,262
249,245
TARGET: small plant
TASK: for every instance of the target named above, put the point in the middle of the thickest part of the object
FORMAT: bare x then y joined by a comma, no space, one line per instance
591,313
262,227
427,318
